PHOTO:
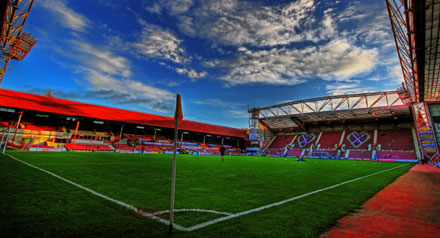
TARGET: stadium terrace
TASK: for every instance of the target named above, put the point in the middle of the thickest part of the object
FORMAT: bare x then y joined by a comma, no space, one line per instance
51,124
369,126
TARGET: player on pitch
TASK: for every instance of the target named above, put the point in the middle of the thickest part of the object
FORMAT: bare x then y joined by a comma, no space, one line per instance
222,152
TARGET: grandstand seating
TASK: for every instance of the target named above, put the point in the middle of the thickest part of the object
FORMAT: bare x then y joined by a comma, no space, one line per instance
155,148
395,140
212,148
82,147
233,151
163,139
294,145
281,142
329,140
146,137
368,139
190,145
122,146
310,138
88,142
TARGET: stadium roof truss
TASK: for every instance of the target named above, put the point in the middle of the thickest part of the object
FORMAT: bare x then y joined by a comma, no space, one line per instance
365,106
416,25
13,44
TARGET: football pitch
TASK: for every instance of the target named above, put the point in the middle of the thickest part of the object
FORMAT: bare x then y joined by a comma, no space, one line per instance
97,194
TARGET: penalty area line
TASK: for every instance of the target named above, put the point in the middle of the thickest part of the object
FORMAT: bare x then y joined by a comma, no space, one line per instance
194,210
128,206
204,224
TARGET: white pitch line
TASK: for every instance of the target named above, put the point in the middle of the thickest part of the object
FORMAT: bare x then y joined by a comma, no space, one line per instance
103,163
204,224
128,206
194,210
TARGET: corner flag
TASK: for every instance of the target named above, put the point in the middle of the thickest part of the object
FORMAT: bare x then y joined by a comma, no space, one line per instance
178,117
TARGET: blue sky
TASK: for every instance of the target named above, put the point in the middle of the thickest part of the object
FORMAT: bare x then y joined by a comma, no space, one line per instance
220,55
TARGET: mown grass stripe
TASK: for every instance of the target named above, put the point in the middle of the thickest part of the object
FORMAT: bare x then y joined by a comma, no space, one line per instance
128,206
201,225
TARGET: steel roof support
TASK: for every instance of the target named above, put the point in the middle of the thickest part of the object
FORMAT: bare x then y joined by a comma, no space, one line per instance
356,103
404,39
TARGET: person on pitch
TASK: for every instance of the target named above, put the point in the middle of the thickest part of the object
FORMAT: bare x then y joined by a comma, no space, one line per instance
222,152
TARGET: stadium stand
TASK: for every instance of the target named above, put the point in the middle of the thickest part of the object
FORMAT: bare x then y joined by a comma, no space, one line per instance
358,140
395,140
328,140
281,141
85,147
50,123
305,141
51,120
13,99
212,148
123,147
148,148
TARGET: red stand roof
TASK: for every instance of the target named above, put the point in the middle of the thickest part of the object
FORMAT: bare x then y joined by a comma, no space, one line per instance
19,100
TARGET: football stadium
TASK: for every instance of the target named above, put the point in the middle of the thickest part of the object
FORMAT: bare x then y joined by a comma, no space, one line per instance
351,165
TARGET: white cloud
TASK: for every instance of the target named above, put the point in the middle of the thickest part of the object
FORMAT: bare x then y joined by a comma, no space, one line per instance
179,6
159,43
396,74
211,63
338,60
372,23
191,73
347,88
103,60
215,102
130,88
375,79
348,59
231,22
351,13
106,76
156,9
66,16
333,45
106,71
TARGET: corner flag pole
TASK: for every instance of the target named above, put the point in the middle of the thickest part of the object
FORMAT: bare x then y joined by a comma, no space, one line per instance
178,116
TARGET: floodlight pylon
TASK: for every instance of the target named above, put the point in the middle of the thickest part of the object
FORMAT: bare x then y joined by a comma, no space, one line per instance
13,44
254,116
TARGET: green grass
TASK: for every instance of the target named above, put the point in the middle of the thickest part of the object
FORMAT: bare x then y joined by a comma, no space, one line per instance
33,203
